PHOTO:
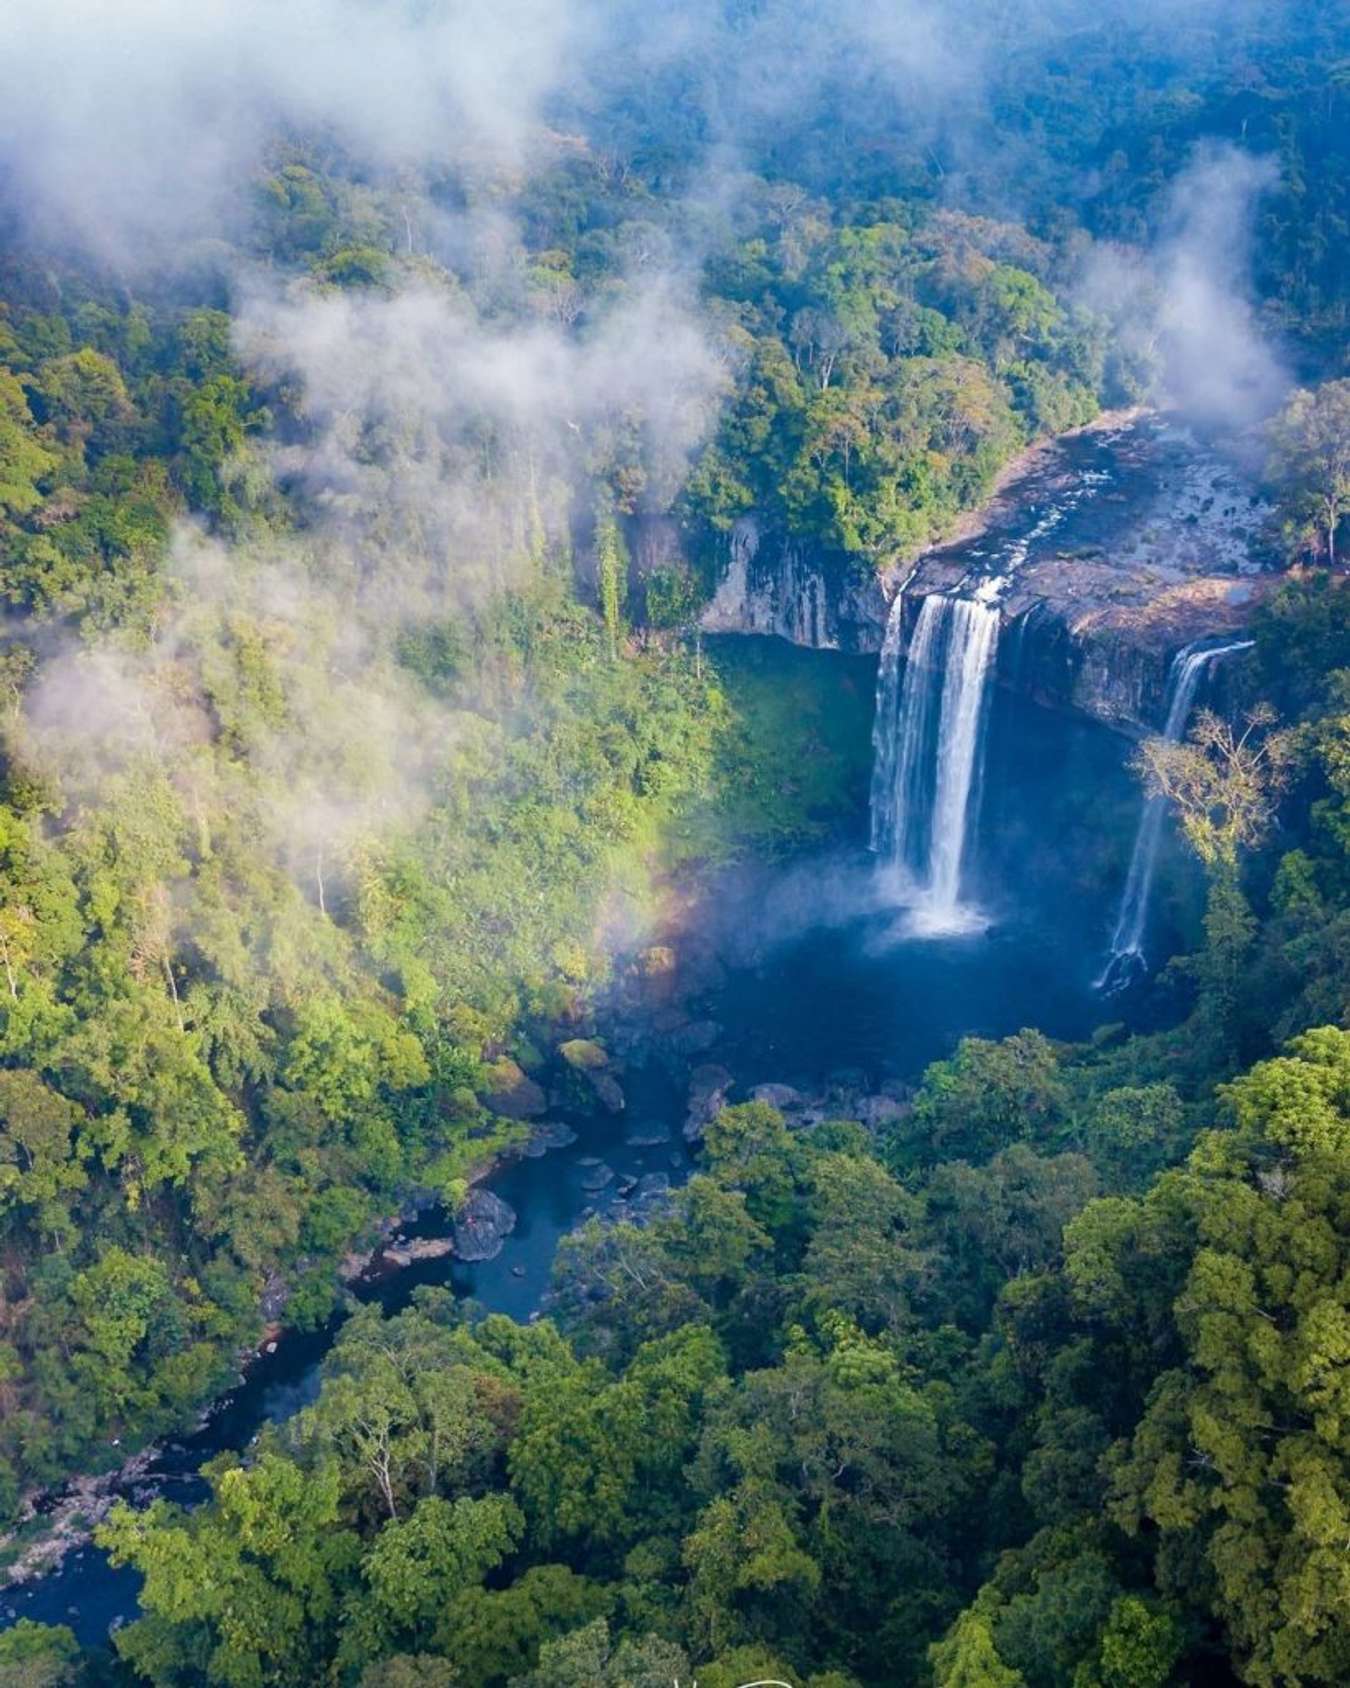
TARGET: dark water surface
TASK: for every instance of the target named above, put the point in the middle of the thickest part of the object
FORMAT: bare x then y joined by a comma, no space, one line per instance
828,977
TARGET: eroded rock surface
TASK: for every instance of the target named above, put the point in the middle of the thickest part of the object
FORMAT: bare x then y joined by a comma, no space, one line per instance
1108,550
482,1226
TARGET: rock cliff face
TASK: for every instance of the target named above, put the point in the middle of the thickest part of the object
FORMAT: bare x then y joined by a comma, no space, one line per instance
772,584
1107,552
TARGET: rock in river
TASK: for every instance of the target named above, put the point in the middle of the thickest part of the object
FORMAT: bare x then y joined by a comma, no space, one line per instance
650,1135
482,1226
545,1136
607,1089
777,1095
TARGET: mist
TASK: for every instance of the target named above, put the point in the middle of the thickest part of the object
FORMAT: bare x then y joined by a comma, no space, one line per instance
130,131
1183,308
435,421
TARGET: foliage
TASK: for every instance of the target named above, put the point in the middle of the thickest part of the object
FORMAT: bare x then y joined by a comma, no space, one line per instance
1310,464
314,791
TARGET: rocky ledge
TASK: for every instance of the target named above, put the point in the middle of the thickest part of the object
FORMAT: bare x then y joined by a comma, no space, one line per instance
1108,550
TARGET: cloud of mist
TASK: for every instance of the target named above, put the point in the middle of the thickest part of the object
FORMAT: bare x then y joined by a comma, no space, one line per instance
140,121
427,434
1219,366
347,747
1185,306
133,127
424,417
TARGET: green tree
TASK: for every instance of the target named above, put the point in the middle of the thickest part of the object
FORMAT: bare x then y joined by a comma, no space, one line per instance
245,1591
38,1656
968,1658
985,1098
590,1658
1240,1460
1310,462
612,571
24,460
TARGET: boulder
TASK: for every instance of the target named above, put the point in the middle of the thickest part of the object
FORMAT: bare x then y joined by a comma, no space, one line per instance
708,1087
482,1225
547,1135
695,1037
607,1089
583,1054
276,1292
777,1095
429,1248
510,1093
876,1111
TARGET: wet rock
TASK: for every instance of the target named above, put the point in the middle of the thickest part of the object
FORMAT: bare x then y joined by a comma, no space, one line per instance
652,1184
276,1293
708,1087
583,1054
517,1271
695,1038
545,1136
777,1095
607,1089
482,1226
429,1248
877,1111
597,1177
648,1136
511,1093
774,583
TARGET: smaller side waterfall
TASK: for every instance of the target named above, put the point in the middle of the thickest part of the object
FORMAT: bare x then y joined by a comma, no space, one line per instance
1127,960
928,741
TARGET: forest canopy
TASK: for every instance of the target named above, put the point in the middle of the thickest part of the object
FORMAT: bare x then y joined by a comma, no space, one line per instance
357,733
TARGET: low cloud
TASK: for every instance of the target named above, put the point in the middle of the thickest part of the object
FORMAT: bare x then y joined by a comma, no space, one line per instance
1183,309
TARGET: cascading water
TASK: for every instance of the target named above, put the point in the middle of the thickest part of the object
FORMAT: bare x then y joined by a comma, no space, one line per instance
1127,961
928,741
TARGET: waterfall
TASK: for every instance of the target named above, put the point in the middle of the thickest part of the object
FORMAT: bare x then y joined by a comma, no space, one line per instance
1127,961
928,742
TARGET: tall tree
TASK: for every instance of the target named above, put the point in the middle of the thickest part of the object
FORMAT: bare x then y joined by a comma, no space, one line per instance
1310,461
